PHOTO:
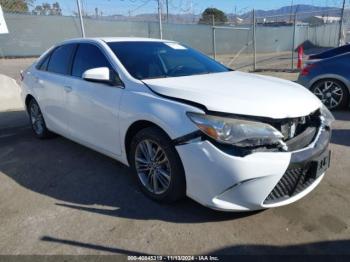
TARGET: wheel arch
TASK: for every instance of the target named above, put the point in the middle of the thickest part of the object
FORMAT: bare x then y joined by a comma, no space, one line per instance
134,128
27,100
339,78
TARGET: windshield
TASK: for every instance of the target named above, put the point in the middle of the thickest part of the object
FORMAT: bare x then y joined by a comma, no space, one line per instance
146,60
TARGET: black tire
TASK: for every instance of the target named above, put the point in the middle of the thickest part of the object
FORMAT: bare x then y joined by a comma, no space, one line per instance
176,189
42,132
342,95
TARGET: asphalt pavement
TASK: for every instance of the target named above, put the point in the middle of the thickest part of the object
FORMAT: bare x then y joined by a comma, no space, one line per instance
58,197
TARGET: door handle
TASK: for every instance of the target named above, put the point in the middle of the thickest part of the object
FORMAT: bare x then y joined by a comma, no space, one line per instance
68,89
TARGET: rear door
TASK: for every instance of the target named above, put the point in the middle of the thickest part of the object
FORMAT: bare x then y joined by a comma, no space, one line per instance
51,81
93,106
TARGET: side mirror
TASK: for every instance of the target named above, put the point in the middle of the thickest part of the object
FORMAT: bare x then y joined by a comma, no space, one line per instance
103,75
100,74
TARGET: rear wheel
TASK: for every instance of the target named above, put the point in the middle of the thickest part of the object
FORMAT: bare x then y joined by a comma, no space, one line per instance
157,165
37,120
332,93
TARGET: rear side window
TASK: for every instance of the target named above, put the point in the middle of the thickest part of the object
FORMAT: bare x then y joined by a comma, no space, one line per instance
88,56
60,59
44,63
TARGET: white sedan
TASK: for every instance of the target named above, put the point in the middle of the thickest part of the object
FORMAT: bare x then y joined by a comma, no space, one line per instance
184,123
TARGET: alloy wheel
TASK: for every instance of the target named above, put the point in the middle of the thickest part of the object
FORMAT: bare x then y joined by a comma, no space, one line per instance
152,166
330,93
37,119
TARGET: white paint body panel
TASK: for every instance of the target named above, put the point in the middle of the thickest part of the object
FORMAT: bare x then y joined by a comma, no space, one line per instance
99,116
241,93
93,114
49,90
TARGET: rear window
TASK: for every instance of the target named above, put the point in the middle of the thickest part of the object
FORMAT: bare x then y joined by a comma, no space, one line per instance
60,59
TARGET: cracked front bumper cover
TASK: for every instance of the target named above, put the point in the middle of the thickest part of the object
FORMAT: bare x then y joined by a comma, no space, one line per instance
233,183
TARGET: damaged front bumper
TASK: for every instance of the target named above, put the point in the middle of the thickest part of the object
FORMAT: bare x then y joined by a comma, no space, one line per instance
224,181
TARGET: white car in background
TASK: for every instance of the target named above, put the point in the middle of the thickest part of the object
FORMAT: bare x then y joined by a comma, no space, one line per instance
184,123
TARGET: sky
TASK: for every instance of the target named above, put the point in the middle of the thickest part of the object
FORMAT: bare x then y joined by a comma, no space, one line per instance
133,7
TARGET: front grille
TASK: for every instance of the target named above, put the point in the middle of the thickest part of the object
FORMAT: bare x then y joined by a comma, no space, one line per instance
293,182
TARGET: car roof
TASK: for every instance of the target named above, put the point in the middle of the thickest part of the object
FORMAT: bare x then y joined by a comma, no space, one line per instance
132,39
115,39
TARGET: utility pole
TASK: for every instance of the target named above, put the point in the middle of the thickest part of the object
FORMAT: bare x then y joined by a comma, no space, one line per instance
341,25
81,19
167,11
291,11
293,40
254,40
236,20
214,36
160,19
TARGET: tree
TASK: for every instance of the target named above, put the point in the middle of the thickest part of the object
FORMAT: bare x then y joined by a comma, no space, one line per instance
47,9
56,9
208,14
16,6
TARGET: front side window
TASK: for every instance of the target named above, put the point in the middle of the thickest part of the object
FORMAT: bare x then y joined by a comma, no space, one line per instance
146,60
60,59
88,56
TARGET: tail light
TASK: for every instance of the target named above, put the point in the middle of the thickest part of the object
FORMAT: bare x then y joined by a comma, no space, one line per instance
306,70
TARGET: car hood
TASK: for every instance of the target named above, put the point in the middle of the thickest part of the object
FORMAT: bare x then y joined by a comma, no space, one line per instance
240,93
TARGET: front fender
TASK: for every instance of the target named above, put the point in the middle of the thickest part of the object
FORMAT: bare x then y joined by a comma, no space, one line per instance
169,115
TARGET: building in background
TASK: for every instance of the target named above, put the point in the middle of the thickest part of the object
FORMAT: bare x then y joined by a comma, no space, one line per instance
321,20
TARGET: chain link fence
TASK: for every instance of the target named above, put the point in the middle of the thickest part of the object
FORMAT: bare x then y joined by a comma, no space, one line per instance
278,37
255,42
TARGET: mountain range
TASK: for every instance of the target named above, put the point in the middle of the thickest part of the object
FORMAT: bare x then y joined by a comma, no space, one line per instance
287,10
303,12
283,13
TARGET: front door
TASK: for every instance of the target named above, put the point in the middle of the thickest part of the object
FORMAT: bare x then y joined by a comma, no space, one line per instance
93,107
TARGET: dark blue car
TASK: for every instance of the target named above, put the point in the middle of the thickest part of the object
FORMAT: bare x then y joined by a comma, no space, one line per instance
327,75
331,52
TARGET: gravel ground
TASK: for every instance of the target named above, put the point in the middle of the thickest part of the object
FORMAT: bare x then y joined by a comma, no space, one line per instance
12,67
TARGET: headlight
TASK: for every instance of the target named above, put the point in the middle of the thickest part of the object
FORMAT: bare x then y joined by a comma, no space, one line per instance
326,116
236,131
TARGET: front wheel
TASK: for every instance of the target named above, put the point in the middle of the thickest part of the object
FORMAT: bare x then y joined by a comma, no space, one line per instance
157,165
332,93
